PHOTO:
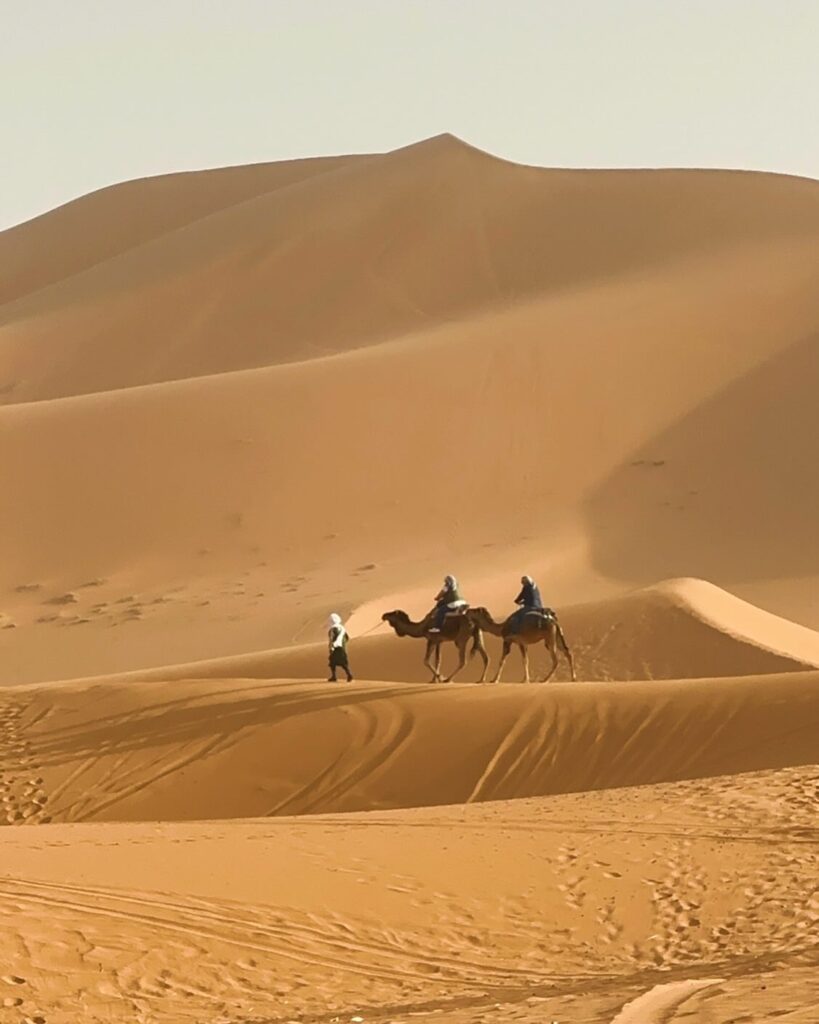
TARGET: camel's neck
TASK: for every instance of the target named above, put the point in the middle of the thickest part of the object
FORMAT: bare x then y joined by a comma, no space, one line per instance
488,625
406,627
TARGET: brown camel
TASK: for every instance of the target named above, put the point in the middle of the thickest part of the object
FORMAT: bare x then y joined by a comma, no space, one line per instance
531,628
456,629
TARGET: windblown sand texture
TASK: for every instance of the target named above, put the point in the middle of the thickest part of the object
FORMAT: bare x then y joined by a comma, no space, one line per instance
234,401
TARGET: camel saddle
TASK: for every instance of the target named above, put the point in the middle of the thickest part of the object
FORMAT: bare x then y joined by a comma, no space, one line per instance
540,615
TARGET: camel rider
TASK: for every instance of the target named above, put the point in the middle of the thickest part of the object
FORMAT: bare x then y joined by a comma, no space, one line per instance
337,637
448,599
528,600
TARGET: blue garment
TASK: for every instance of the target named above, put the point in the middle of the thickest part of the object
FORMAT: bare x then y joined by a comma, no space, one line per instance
529,597
528,600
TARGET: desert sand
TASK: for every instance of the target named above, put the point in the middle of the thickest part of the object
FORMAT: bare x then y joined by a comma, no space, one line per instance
234,401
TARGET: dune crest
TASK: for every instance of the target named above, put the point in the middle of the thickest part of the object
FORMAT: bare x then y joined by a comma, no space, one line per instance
475,233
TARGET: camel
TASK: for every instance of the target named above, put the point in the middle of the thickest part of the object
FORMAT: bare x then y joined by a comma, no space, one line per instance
534,627
457,629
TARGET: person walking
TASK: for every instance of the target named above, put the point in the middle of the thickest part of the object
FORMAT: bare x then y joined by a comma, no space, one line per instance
337,638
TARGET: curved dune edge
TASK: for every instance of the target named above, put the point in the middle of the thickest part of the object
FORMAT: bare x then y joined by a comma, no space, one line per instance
687,627
741,619
232,266
207,749
678,629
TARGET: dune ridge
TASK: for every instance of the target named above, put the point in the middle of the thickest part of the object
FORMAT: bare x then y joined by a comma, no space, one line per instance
242,748
108,222
676,630
256,265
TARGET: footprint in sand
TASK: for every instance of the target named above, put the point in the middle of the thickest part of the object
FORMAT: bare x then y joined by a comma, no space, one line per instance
22,797
133,613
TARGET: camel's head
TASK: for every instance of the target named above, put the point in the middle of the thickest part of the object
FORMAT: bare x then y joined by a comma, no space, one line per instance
397,619
478,614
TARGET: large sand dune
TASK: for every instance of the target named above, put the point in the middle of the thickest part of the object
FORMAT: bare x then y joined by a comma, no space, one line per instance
563,909
328,255
245,748
233,401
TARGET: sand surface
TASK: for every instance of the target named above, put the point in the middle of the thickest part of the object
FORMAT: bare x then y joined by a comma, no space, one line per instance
233,401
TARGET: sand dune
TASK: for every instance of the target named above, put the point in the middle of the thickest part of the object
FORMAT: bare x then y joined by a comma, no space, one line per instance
97,227
233,401
149,524
691,327
247,748
676,630
237,287
570,908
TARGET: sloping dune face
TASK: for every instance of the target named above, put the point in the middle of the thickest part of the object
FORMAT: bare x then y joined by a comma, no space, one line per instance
574,908
234,401
681,629
244,748
256,266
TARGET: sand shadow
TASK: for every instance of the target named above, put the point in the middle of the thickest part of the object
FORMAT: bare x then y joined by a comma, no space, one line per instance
180,721
729,493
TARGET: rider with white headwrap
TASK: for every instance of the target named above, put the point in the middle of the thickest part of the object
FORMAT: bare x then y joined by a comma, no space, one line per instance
448,599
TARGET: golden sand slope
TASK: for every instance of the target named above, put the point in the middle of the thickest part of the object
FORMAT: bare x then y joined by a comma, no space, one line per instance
104,224
234,401
606,379
565,909
257,265
675,630
244,748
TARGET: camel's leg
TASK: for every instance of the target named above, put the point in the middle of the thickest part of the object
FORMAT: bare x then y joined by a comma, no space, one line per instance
428,659
569,658
507,647
479,648
485,657
461,645
524,650
550,647
438,659
562,641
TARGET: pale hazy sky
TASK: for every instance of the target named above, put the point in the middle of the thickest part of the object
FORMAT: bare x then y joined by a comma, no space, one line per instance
98,91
